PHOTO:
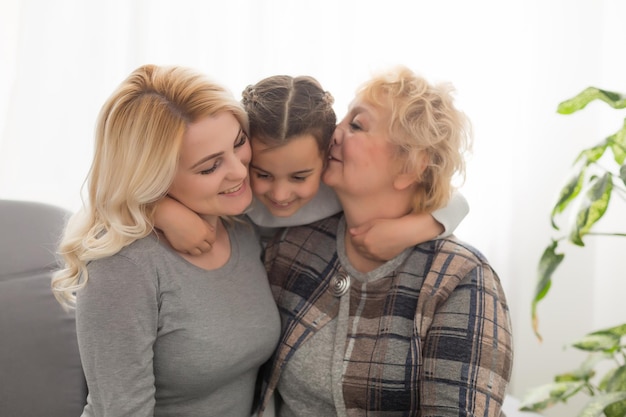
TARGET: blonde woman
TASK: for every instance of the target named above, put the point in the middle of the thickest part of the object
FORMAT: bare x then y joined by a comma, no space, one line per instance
426,333
161,332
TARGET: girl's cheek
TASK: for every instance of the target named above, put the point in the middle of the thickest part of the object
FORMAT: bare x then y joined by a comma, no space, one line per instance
257,186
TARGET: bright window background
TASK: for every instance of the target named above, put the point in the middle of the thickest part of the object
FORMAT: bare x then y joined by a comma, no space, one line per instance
511,61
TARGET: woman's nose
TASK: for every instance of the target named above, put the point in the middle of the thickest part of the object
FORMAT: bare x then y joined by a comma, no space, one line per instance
239,168
337,136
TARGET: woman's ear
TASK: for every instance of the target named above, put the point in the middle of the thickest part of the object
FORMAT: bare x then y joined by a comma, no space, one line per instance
406,179
403,181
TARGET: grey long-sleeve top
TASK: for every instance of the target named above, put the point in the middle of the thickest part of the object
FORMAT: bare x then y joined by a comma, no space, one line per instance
159,336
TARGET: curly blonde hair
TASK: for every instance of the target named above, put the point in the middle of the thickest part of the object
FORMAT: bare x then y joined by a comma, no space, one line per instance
137,145
431,136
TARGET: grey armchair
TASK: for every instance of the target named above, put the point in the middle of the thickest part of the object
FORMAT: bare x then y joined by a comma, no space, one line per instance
40,369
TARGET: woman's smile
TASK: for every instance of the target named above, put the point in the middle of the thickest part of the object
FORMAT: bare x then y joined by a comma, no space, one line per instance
233,191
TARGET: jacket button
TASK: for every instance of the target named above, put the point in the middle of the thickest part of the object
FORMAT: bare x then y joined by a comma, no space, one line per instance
340,283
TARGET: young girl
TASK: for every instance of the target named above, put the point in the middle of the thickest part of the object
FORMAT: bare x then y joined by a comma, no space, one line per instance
291,124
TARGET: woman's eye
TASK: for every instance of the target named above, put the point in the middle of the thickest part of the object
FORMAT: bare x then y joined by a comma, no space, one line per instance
355,126
241,141
210,170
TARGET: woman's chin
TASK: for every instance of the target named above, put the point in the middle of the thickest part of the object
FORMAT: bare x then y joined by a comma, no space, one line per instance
237,205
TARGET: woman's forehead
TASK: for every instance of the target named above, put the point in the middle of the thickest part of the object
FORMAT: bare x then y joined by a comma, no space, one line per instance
361,106
377,113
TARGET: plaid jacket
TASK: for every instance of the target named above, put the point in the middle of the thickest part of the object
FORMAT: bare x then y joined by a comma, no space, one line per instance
441,344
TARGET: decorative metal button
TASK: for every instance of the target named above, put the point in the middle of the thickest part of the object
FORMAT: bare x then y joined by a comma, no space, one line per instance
340,283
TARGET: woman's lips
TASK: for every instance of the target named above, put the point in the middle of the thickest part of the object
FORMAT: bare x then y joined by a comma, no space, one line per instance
234,190
332,158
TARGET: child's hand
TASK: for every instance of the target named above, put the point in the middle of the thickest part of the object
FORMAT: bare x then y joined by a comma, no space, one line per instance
195,238
384,239
376,240
184,229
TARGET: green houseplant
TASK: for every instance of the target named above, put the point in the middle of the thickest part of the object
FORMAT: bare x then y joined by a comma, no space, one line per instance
599,175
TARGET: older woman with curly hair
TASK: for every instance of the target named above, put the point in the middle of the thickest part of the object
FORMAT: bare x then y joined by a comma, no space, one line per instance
426,333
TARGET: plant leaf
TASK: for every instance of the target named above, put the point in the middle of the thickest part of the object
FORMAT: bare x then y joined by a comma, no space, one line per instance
622,173
545,396
568,193
589,94
548,263
586,370
604,340
594,153
619,153
598,342
617,409
618,144
619,330
616,382
593,207
604,382
598,403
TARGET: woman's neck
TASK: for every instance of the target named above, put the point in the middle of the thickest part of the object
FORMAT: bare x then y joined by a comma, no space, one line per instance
220,250
360,211
211,220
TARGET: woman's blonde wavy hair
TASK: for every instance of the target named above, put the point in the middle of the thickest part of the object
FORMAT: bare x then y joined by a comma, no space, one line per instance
137,144
431,136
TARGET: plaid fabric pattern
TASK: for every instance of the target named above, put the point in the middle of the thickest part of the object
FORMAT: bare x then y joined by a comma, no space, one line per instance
431,339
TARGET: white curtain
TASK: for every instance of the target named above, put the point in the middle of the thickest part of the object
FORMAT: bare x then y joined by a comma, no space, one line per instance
511,61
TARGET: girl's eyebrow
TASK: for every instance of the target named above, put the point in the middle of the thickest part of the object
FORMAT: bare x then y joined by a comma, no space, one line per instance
304,171
256,167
